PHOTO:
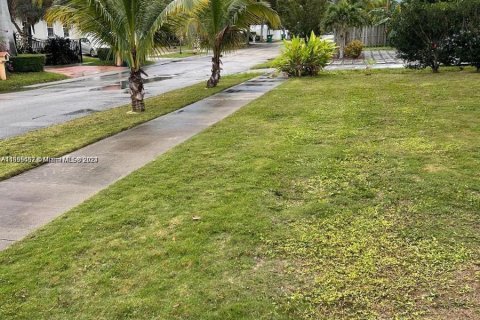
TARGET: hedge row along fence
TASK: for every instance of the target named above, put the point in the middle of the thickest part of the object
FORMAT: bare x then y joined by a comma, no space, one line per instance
28,62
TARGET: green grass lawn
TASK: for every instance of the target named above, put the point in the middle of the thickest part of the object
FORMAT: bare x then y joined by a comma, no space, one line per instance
344,196
265,65
16,81
61,139
94,61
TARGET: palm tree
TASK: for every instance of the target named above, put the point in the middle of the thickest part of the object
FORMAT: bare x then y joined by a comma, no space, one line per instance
344,15
383,11
221,25
129,27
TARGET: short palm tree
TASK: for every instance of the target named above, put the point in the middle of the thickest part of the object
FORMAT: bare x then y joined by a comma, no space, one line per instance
383,12
341,16
221,25
129,27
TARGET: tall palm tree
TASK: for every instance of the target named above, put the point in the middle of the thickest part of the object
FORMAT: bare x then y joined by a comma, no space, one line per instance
221,25
341,16
129,27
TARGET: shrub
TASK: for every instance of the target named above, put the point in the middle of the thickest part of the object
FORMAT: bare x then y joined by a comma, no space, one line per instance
291,59
59,52
467,41
28,62
467,48
105,54
305,58
354,49
427,34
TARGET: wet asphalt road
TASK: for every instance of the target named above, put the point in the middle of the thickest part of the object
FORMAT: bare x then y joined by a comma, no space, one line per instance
51,104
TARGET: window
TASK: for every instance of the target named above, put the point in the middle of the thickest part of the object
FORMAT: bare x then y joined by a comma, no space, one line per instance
66,32
50,32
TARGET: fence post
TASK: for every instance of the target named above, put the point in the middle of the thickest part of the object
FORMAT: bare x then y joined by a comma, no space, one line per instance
80,49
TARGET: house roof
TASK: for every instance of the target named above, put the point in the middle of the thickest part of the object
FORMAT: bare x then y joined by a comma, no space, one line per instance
4,54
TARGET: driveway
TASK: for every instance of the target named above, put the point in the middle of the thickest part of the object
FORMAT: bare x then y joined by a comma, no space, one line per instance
378,59
51,104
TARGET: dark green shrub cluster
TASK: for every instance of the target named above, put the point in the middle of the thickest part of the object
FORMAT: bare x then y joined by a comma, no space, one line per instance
467,48
59,51
302,57
428,34
105,54
28,62
354,49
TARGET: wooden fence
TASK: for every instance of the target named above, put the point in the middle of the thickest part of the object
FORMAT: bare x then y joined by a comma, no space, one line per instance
372,36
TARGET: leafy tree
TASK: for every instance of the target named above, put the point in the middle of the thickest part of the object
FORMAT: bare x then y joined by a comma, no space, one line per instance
467,41
129,27
422,32
467,48
301,17
221,24
343,15
29,12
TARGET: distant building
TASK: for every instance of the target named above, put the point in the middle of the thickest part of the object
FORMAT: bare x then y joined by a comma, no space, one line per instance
264,30
43,30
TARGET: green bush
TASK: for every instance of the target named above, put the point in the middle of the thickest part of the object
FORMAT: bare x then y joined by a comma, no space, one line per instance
467,48
467,41
105,54
28,62
301,58
59,52
291,59
354,49
428,34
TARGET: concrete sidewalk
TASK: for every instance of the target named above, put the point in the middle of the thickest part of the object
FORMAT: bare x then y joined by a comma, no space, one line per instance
36,197
59,102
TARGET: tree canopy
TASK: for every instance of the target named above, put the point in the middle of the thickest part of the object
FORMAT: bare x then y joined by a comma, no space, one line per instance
301,17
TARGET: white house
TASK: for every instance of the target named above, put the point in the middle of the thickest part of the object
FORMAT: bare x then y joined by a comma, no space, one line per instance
43,30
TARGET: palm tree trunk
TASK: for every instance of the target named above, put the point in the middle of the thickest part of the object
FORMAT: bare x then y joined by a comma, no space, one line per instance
118,59
343,35
137,92
215,77
261,33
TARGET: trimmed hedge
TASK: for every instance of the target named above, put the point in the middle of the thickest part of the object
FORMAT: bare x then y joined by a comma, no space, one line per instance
28,62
